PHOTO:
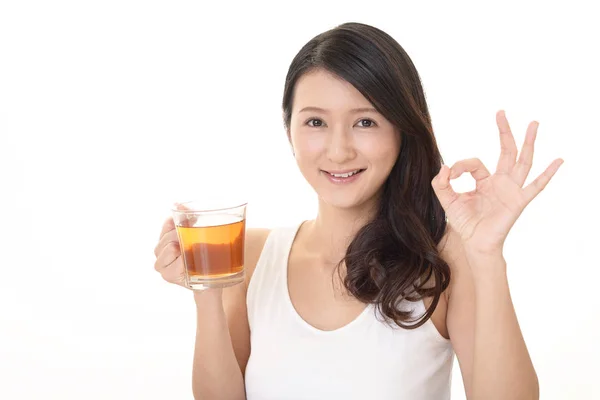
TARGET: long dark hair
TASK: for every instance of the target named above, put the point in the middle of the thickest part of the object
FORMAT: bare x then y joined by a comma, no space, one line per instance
394,257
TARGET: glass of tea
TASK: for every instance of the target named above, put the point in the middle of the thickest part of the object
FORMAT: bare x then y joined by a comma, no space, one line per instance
212,243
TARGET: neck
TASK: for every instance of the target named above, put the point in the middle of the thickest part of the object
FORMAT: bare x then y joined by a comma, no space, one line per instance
334,228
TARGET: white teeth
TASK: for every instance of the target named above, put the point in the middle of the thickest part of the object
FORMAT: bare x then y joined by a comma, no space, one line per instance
347,175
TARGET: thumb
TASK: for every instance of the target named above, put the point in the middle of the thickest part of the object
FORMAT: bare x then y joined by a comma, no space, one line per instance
183,215
443,189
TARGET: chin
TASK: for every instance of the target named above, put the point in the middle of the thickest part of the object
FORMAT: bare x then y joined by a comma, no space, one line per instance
343,200
357,195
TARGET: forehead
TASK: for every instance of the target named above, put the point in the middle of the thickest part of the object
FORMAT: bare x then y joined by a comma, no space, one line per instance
320,88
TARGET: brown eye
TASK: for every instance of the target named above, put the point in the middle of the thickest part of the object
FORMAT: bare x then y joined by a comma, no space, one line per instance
366,123
314,122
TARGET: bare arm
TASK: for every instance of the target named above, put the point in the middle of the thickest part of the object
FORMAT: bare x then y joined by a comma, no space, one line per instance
482,320
484,330
222,334
216,373
502,368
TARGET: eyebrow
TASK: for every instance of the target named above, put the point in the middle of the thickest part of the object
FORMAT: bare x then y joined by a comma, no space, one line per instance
354,110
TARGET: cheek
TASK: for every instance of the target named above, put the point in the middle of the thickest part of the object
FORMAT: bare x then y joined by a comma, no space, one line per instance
380,150
308,145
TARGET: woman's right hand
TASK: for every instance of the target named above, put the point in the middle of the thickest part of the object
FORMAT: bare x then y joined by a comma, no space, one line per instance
214,354
169,262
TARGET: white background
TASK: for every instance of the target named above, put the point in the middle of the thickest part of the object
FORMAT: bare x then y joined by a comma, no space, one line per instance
112,110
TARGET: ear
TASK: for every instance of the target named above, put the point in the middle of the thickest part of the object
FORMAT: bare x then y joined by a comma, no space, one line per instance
288,133
291,144
285,125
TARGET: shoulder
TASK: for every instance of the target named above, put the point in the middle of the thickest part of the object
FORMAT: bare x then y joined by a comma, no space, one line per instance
255,242
234,297
451,250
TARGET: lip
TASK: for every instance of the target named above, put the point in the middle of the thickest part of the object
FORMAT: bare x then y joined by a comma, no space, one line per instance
345,171
342,181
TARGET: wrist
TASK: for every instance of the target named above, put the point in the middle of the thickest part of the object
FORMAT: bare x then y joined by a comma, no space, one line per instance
486,265
483,252
208,296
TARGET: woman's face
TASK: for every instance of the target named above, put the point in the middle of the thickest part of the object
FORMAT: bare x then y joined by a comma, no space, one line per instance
344,148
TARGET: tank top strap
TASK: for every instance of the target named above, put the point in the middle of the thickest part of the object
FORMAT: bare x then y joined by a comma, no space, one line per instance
270,269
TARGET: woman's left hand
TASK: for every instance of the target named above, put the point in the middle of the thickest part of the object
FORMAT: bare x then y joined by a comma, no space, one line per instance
484,216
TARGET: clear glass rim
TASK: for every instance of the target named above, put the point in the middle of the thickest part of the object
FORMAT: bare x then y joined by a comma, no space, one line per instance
183,203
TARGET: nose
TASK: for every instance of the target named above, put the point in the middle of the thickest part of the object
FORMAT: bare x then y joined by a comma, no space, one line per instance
340,146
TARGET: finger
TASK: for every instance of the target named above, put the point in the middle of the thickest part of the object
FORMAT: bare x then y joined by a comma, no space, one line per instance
508,147
168,237
472,165
168,226
175,273
535,187
167,256
443,189
183,217
523,166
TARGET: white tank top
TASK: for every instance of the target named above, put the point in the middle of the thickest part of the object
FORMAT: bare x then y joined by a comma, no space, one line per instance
364,360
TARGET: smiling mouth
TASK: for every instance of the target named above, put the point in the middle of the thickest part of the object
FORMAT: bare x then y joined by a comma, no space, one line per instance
345,174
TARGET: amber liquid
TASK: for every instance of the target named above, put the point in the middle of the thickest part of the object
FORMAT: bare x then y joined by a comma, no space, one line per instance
213,251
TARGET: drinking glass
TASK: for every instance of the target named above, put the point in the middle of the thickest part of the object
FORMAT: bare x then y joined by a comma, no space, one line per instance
212,243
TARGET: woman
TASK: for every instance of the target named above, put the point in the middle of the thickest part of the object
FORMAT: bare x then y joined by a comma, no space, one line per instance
397,272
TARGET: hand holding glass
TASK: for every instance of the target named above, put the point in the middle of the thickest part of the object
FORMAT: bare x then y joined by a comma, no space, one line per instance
212,244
